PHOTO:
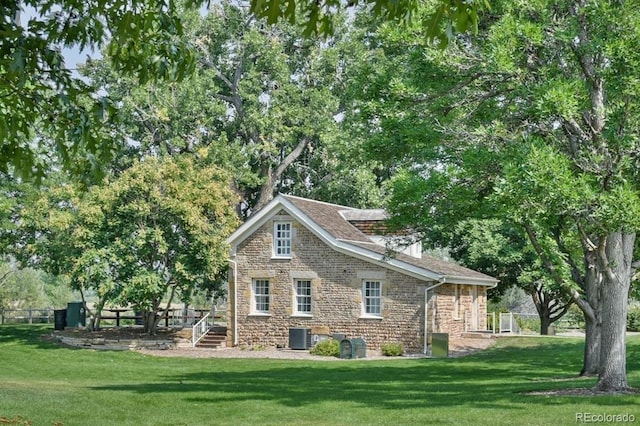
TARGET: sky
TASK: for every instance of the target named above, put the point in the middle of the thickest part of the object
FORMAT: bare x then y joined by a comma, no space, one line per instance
73,55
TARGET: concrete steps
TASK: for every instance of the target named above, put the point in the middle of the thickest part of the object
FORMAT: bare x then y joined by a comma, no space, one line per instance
477,335
216,338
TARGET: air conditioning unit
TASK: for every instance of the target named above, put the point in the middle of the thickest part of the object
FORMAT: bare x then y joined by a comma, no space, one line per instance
300,338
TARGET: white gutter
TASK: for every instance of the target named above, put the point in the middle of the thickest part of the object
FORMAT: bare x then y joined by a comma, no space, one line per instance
235,301
426,311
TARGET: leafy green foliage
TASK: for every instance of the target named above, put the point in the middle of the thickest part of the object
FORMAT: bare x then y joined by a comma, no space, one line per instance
533,122
262,102
30,288
444,20
47,113
329,347
633,319
528,324
392,349
157,230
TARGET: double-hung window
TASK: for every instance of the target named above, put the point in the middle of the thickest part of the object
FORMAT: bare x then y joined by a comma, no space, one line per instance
372,298
261,296
302,302
282,239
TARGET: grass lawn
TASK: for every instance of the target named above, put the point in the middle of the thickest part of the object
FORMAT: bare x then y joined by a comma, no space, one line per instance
44,384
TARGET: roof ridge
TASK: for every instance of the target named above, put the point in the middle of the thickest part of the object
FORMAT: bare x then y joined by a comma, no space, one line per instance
317,201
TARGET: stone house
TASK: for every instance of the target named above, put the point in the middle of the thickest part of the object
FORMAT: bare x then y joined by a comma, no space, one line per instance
329,269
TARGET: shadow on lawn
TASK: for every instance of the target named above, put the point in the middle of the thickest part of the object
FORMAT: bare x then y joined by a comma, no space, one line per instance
38,336
496,378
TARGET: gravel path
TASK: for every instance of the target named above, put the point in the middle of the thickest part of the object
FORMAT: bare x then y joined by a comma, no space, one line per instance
457,348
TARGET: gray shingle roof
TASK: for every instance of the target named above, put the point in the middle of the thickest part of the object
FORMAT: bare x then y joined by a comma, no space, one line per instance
329,217
334,219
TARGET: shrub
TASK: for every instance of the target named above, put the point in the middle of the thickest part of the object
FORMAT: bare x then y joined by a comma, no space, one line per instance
329,347
574,318
530,324
633,319
392,349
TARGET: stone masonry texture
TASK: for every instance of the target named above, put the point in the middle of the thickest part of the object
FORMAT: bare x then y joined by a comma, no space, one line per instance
336,281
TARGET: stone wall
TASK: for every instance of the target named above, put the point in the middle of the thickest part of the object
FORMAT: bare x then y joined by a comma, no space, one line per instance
100,343
336,295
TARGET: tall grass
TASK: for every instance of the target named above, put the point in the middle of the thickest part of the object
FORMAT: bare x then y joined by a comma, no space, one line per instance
43,383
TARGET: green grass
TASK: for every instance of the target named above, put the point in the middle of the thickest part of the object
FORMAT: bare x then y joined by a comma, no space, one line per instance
43,383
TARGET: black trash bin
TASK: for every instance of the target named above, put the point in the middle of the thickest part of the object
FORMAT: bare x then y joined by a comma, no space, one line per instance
59,319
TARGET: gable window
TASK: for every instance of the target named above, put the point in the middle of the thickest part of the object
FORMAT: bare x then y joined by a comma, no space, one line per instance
282,239
372,298
302,302
261,296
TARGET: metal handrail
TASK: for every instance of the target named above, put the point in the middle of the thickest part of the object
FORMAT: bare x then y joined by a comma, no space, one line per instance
201,328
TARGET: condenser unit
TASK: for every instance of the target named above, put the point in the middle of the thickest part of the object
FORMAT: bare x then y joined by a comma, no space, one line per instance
300,338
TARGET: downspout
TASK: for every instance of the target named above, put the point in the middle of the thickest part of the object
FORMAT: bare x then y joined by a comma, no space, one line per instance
235,301
426,310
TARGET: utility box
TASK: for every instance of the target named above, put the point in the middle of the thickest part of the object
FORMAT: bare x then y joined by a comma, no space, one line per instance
76,314
440,345
353,348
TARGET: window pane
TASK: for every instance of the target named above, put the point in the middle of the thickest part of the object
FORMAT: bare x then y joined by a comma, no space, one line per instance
303,296
282,239
261,292
372,297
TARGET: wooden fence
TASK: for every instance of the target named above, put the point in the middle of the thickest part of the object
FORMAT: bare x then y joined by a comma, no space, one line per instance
46,316
27,316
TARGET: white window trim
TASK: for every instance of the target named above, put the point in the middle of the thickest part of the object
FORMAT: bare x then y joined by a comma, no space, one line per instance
254,305
364,313
295,311
275,253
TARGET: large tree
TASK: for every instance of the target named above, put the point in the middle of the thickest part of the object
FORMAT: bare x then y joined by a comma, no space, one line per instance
552,79
153,233
48,111
263,100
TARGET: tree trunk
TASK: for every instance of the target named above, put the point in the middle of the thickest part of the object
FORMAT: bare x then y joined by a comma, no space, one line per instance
549,305
272,177
592,316
591,346
150,322
545,322
615,258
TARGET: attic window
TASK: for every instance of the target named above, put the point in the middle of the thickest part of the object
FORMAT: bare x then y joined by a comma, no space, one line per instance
282,239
